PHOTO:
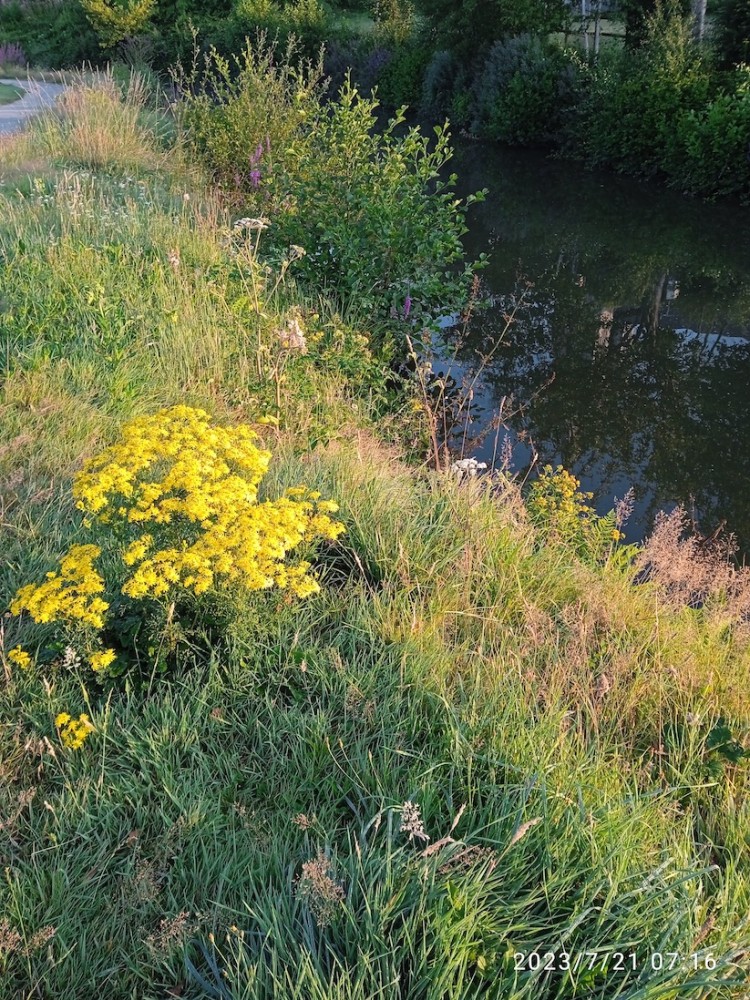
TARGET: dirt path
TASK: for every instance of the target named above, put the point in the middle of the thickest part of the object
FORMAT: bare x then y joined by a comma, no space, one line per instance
37,96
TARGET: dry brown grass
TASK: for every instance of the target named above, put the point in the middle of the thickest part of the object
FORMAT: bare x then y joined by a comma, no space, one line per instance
691,571
93,125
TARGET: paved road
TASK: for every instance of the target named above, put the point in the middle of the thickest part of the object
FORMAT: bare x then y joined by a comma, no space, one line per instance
38,96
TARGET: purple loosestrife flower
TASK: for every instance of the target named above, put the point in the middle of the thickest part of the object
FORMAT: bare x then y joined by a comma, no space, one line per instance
255,176
407,306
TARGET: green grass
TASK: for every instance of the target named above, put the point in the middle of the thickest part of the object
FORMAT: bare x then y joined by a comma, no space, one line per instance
9,93
453,659
356,22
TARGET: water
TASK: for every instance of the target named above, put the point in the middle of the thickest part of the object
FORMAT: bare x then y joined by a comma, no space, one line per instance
628,357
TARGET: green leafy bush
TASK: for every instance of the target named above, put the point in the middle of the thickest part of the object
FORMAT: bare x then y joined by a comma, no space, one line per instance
629,110
713,143
525,87
379,224
247,109
370,216
114,22
56,35
401,79
304,21
440,82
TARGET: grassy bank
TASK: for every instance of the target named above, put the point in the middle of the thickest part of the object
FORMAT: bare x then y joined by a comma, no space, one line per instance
240,827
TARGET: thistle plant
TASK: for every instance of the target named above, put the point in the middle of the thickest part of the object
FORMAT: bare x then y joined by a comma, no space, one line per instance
175,504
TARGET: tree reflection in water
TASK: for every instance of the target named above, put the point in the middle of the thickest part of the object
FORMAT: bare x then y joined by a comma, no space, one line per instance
630,348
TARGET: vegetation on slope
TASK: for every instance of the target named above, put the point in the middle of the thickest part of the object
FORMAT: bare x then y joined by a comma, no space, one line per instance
492,732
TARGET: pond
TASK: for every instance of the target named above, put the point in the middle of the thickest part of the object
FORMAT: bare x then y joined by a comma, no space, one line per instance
627,357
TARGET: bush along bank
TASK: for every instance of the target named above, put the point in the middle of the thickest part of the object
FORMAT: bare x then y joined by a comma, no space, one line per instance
469,730
663,110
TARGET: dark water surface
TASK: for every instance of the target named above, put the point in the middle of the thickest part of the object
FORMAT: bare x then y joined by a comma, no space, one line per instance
628,360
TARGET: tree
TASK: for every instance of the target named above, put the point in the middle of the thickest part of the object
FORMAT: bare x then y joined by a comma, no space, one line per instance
471,26
638,13
733,31
115,20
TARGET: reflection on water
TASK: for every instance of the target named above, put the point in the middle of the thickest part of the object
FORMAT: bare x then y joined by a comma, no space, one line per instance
628,358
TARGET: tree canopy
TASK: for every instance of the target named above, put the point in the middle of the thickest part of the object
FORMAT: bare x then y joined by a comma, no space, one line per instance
471,25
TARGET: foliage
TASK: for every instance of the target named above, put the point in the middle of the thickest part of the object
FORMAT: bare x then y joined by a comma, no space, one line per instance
303,25
116,20
638,14
732,31
712,142
248,817
378,221
400,82
11,54
525,88
394,20
558,507
628,116
258,100
468,27
58,35
371,210
176,501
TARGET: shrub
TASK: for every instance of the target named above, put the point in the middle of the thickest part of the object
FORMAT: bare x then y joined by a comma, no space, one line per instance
175,506
442,78
628,115
713,143
305,21
394,20
560,511
56,35
358,59
525,86
733,31
11,54
255,100
379,223
113,22
401,79
374,216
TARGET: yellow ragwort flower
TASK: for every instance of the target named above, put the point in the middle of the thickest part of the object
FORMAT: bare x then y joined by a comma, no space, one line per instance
101,660
20,657
72,594
196,487
73,732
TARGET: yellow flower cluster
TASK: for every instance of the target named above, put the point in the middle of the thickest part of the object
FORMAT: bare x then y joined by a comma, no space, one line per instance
557,497
195,485
20,657
101,660
178,499
71,595
557,504
74,732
